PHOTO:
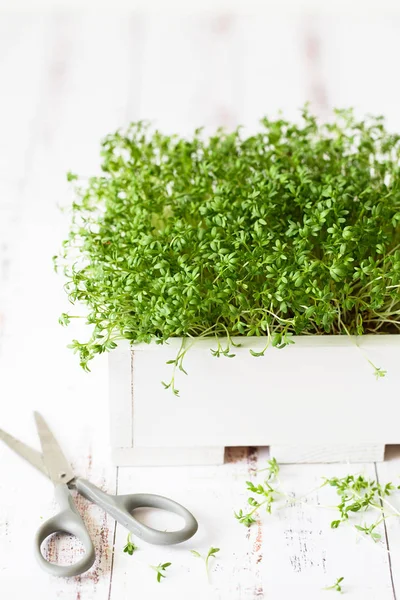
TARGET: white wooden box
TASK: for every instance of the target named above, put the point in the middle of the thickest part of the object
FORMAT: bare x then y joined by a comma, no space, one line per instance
316,400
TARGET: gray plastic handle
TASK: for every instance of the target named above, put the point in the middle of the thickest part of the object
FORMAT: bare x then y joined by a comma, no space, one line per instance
121,507
68,520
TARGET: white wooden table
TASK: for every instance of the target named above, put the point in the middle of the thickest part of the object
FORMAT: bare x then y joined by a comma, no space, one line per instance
65,81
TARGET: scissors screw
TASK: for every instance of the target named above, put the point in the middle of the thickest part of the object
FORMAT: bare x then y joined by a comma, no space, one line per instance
62,475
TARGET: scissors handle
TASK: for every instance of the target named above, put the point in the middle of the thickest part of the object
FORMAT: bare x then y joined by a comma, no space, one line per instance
121,507
68,520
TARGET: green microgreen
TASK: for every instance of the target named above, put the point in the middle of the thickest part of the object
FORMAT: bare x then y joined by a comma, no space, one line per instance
378,372
272,469
160,570
266,492
71,176
210,554
220,351
357,493
130,547
360,494
292,230
177,362
337,587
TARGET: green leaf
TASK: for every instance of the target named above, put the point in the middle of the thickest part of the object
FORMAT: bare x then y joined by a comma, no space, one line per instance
71,176
64,319
336,586
130,547
335,524
258,354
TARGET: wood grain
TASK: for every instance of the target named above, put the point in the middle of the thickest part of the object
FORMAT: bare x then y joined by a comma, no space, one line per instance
328,453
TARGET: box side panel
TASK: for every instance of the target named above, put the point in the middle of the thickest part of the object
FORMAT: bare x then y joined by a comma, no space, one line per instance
300,394
120,395
139,456
338,453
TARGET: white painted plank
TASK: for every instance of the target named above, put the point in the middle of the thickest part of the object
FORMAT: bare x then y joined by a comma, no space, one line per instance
83,95
307,553
159,456
389,471
121,371
346,453
210,494
291,553
292,401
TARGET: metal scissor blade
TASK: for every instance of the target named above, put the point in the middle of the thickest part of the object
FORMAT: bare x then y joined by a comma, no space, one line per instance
29,454
57,466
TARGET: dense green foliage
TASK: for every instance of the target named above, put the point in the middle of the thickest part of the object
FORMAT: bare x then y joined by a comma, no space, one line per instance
294,230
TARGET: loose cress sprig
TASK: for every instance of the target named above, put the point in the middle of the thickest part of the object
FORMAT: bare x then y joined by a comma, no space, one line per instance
337,586
210,554
160,570
357,493
130,547
267,493
293,230
178,363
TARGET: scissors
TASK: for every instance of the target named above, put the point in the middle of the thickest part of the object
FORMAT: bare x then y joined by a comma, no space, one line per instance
53,463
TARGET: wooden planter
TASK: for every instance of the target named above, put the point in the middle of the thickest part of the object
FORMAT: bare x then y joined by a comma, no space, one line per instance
314,401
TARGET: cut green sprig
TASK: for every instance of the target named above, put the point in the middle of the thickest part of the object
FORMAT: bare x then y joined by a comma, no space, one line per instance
378,372
210,554
337,586
177,363
266,492
357,494
360,494
160,570
130,547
